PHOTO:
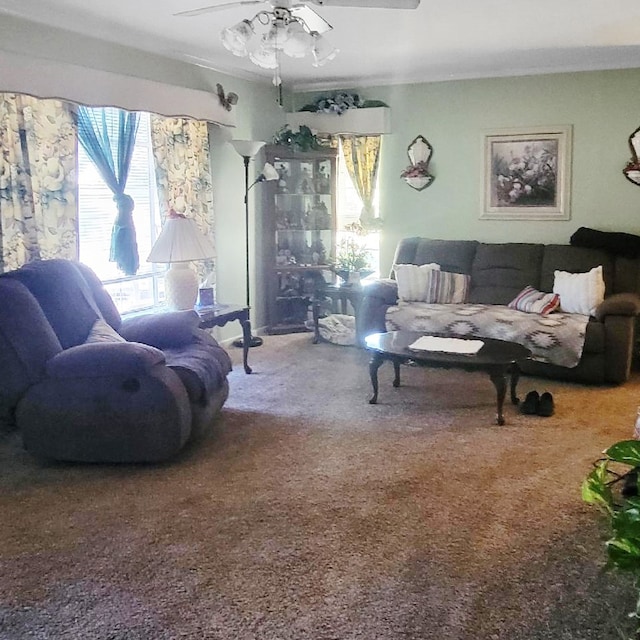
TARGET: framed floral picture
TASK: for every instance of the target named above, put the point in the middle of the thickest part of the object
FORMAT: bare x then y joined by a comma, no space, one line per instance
527,174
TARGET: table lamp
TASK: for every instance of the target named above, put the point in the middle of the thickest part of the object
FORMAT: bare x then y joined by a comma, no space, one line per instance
180,242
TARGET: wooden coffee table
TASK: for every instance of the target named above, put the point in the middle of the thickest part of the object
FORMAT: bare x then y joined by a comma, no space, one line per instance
498,358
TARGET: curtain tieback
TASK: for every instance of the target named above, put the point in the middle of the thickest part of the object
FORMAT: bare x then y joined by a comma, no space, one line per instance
125,206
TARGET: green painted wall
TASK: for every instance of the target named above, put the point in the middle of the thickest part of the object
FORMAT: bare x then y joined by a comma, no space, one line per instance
601,106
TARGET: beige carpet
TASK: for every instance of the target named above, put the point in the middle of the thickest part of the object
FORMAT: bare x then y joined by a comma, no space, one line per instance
309,514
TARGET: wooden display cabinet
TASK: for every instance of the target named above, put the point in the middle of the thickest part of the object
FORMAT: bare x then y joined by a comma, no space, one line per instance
299,234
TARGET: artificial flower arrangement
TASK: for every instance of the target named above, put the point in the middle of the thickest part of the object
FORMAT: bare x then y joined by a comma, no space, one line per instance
352,256
303,139
339,102
418,170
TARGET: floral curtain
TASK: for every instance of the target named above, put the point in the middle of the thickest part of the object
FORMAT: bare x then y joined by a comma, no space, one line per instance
183,173
38,182
362,158
108,135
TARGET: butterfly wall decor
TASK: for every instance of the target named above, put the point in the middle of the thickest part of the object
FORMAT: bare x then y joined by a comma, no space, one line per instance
226,101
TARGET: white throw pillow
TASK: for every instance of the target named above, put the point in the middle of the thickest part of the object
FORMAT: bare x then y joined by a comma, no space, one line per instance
412,280
579,292
103,332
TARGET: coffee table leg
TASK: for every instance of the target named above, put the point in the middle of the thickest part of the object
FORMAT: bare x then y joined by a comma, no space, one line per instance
515,376
499,379
396,369
374,365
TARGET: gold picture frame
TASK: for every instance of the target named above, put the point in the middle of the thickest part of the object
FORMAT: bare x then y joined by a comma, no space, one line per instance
527,173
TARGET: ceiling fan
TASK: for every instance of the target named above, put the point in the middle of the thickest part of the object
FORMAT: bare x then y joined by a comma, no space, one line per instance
356,4
286,27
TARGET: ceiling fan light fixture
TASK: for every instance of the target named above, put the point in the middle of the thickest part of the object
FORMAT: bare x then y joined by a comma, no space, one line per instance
236,39
299,42
323,51
265,56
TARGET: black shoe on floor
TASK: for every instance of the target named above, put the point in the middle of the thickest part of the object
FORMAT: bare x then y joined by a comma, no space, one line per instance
531,404
546,405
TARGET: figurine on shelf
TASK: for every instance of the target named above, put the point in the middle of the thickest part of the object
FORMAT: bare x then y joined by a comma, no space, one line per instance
319,253
305,184
323,183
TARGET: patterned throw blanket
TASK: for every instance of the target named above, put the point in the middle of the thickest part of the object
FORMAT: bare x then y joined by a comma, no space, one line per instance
557,338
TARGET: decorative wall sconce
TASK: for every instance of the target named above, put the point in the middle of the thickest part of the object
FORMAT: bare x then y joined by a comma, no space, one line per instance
632,170
417,175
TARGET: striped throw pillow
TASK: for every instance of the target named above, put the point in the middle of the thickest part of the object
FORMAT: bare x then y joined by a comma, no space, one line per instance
445,287
533,301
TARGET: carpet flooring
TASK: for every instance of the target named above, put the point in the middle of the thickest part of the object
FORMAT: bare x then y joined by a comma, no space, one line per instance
307,513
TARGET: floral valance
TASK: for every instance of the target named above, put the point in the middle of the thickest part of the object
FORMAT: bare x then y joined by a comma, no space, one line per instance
93,87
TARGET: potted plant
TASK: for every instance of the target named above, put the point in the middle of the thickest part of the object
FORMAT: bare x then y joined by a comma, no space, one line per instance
613,487
352,260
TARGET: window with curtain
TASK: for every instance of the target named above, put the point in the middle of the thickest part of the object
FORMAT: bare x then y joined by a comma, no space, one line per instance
349,208
96,212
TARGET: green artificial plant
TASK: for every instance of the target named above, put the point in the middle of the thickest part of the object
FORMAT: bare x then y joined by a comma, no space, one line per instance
613,487
352,255
301,140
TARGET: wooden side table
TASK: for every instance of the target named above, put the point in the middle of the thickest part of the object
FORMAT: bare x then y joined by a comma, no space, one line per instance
219,314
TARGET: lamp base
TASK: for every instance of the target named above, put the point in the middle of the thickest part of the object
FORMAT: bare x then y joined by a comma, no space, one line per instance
181,286
254,342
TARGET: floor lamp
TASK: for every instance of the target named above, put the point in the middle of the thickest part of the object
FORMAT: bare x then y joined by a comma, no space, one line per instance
248,149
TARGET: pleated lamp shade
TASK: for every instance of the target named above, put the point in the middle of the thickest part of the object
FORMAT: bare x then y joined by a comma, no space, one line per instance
180,242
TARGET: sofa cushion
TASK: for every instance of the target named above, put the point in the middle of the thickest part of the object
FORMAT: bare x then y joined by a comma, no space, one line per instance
451,255
64,296
27,342
202,367
579,292
561,257
500,271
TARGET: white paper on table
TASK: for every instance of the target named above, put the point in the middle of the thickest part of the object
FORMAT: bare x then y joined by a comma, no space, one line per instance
447,345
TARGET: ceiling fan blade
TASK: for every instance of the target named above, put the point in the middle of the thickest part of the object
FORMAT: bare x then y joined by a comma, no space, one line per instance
313,20
369,4
216,7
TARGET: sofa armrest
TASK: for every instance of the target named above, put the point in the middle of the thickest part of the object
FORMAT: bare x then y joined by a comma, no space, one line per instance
619,304
385,289
161,330
102,359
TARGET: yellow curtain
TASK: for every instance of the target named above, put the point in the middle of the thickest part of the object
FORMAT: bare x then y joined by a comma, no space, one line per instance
183,174
362,158
38,181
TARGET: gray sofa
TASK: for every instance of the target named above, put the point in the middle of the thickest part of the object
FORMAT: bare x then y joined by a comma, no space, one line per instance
83,385
498,272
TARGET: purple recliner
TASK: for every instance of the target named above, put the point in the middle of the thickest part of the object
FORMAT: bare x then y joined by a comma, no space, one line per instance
83,385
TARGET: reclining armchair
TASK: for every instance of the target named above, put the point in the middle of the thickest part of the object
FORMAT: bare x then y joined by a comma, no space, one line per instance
81,384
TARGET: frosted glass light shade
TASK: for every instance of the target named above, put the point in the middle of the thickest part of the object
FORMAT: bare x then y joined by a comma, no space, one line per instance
236,39
247,148
181,241
323,51
299,42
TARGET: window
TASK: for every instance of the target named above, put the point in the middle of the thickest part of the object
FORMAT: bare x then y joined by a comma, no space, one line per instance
97,211
349,207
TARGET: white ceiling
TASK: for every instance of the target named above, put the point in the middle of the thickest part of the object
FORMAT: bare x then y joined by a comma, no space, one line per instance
438,41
